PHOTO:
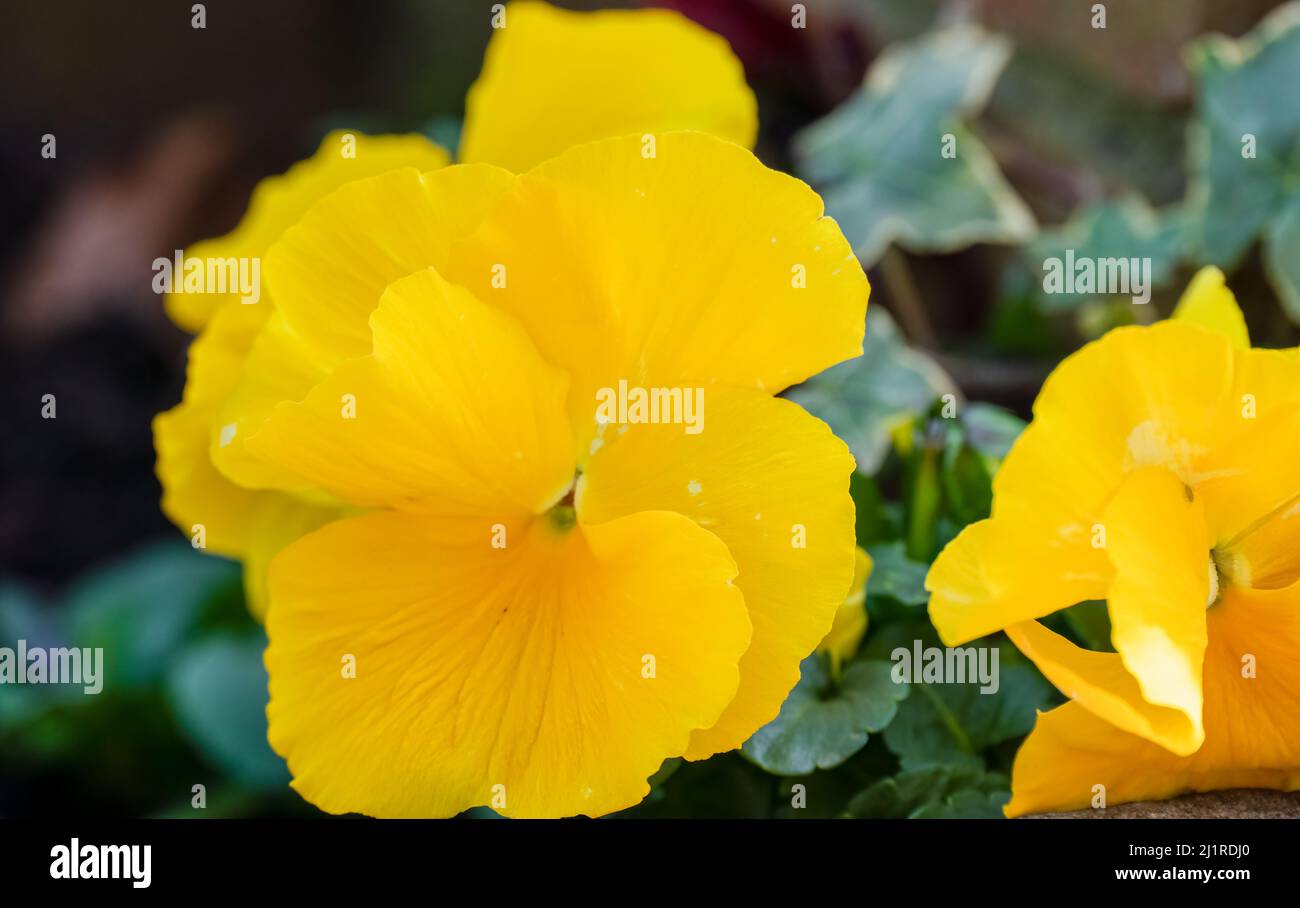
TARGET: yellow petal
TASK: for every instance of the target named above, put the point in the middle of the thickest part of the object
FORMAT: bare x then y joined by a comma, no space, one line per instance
327,274
1167,391
1267,557
1264,382
773,483
1249,481
278,201
1000,572
1159,544
230,520
850,625
193,491
547,678
195,495
454,411
1139,396
697,265
1207,301
1252,475
1252,722
1100,683
329,270
623,72
277,520
1072,757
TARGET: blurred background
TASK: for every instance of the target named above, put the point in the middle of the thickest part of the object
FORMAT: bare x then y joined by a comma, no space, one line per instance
162,130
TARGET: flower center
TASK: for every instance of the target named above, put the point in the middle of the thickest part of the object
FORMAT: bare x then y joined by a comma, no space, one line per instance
1227,568
563,515
1213,597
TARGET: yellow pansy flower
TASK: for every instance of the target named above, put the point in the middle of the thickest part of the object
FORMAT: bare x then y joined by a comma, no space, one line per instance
539,605
624,72
224,518
553,79
850,625
1158,473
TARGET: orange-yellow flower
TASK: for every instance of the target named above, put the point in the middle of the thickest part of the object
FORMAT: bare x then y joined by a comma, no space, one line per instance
1159,473
624,72
540,607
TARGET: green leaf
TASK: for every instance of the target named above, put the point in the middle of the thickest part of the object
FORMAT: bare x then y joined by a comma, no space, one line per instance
1123,228
878,159
1245,88
942,792
895,575
445,130
991,430
1282,257
822,723
1074,118
874,521
141,609
974,446
967,483
825,793
1090,622
724,786
952,724
865,399
218,691
922,489
23,617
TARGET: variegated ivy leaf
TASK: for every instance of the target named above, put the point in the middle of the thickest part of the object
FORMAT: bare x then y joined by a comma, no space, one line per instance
1282,256
1245,149
895,162
866,398
1125,228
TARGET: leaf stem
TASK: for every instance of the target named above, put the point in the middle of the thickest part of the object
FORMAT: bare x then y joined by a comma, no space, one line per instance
949,720
906,299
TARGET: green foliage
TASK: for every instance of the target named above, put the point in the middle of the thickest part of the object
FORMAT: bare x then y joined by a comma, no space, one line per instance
183,699
1089,623
949,457
897,576
824,721
865,399
723,786
879,160
140,609
1245,95
22,617
940,792
955,724
991,431
1122,228
217,690
1282,256
1077,119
